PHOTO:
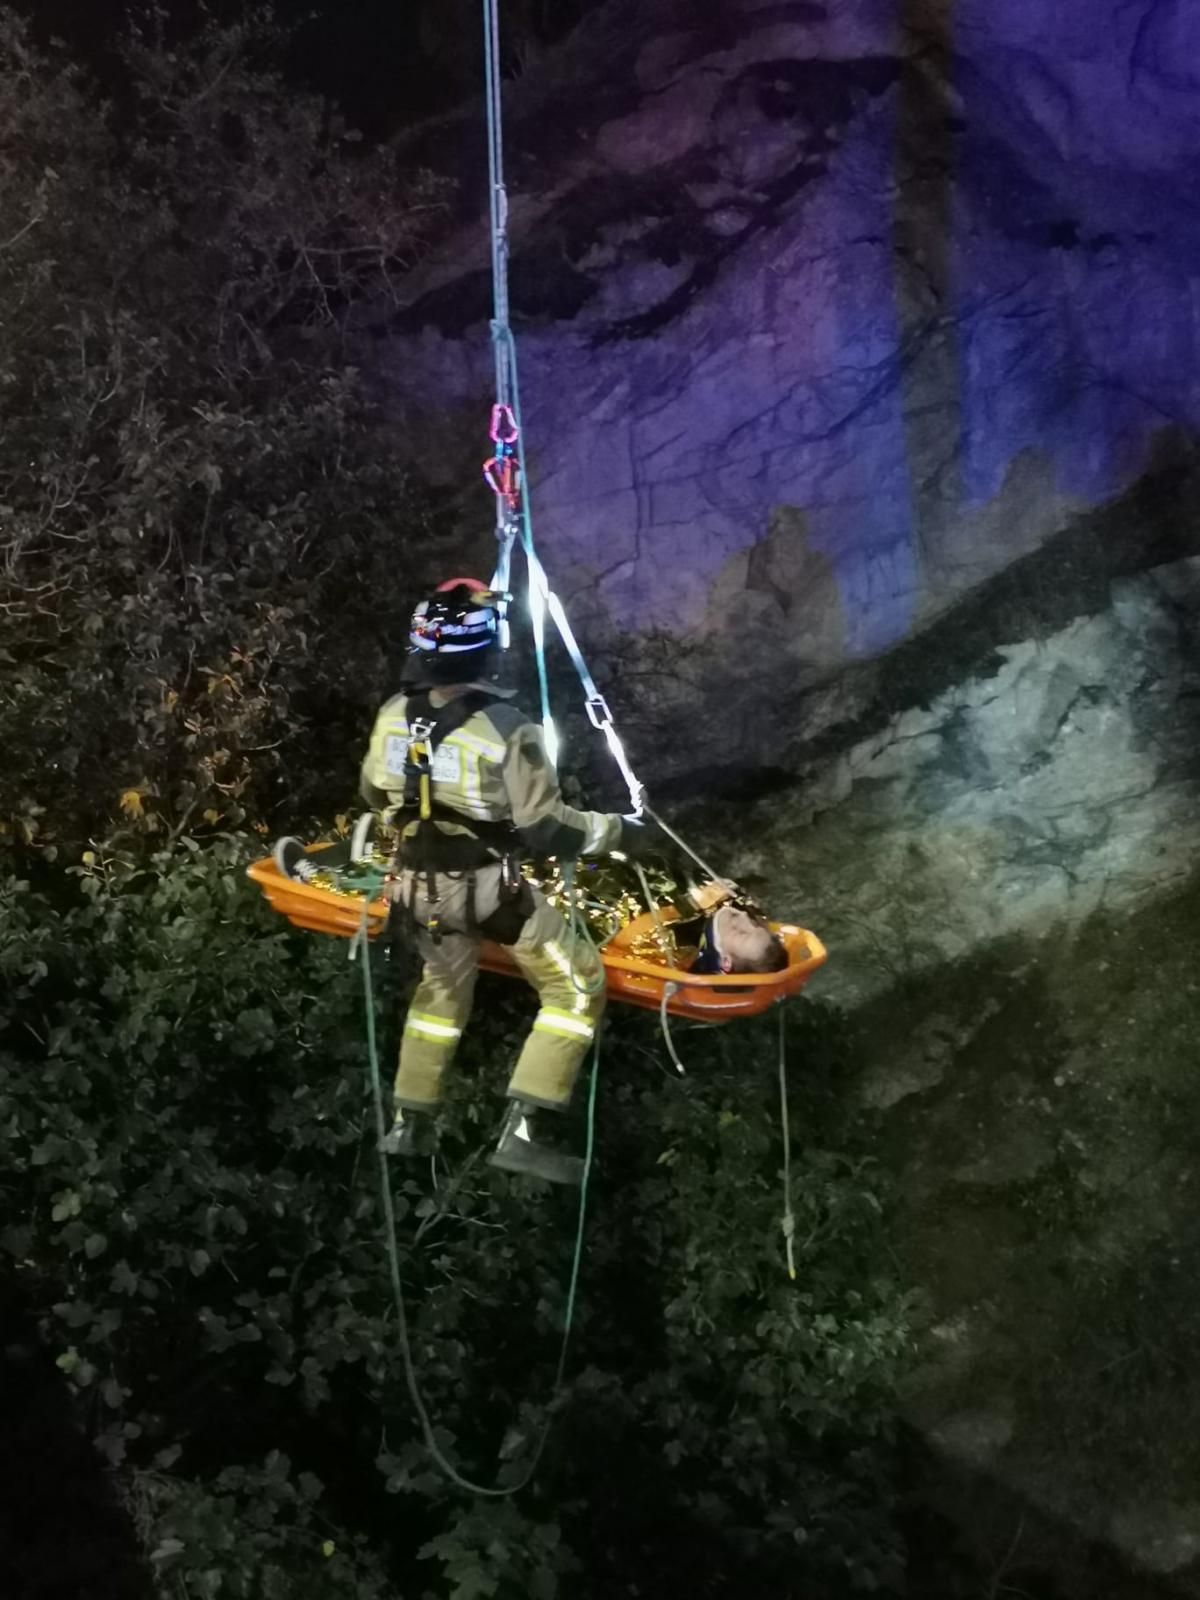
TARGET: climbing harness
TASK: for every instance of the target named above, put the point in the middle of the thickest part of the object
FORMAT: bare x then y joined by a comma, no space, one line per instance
424,847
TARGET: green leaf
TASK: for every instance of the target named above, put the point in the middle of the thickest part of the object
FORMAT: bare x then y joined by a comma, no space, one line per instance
124,1279
66,1204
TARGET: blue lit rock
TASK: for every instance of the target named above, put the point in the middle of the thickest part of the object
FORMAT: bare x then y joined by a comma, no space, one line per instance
827,313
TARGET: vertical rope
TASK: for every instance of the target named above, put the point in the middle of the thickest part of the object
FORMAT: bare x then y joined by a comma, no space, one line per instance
362,942
579,934
670,990
789,1220
537,582
498,200
502,349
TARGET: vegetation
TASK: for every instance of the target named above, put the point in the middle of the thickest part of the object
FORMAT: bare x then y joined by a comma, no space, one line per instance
182,1093
1045,1193
200,511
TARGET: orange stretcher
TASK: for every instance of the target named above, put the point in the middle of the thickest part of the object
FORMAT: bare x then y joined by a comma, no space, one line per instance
702,997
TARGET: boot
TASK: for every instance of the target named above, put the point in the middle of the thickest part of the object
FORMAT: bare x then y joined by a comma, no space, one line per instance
414,1134
518,1150
293,861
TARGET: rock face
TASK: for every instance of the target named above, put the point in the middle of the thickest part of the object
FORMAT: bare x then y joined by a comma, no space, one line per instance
1034,1105
1061,779
826,312
1006,876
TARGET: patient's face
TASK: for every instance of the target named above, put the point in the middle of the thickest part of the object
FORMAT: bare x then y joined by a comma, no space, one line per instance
744,939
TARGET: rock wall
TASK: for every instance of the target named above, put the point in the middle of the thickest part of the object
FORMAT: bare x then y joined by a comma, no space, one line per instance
826,313
1060,779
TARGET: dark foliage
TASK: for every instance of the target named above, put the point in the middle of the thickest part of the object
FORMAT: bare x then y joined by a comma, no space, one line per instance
204,535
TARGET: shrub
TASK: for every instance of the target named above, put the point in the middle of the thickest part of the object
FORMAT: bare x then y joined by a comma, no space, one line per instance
203,521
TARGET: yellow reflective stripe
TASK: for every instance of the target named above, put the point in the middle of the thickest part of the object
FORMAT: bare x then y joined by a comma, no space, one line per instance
472,788
563,1022
431,1027
433,1030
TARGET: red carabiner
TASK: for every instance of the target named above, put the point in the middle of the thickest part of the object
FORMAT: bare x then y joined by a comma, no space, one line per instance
502,475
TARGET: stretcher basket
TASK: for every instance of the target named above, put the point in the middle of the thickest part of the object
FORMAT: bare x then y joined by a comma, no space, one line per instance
631,980
702,997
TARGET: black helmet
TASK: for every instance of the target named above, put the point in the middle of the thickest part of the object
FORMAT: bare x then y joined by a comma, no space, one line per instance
455,629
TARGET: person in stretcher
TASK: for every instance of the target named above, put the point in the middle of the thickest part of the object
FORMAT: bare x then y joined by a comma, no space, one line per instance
717,929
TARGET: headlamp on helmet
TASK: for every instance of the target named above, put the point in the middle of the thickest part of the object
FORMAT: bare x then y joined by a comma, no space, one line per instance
460,617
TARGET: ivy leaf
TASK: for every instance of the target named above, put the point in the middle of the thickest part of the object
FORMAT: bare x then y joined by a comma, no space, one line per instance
124,1279
66,1204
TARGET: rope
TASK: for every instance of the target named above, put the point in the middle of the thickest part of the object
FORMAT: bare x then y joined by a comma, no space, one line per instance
509,521
664,1022
393,1249
498,198
579,933
508,394
502,347
789,1220
652,904
669,989
683,845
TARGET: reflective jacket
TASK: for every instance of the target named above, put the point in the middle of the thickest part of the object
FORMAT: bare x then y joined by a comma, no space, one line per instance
493,769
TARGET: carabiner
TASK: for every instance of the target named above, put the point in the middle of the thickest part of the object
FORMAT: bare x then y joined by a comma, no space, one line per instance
599,719
504,428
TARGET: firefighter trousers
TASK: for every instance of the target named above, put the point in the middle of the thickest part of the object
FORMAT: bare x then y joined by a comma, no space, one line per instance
539,939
